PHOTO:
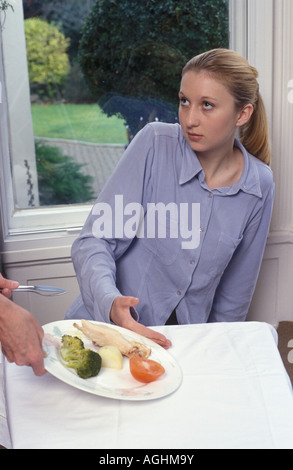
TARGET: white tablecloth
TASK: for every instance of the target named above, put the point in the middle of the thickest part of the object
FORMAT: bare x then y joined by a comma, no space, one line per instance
235,394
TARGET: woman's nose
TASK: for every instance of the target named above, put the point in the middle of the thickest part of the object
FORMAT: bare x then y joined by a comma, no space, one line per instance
192,119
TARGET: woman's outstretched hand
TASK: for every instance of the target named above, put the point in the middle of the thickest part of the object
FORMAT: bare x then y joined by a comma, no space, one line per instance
121,316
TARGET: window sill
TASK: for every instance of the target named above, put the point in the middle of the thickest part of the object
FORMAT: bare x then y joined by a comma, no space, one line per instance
38,246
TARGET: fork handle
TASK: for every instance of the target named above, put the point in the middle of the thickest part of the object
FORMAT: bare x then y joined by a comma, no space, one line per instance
21,289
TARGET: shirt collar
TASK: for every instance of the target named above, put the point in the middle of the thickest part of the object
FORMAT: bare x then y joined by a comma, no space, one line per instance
190,166
248,183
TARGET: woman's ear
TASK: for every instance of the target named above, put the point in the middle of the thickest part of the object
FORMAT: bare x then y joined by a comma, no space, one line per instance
244,115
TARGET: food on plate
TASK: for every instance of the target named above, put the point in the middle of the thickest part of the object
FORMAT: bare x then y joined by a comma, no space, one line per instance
112,346
111,357
70,347
50,340
145,370
102,335
87,363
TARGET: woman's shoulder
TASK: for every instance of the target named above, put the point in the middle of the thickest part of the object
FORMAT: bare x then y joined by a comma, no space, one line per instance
264,171
258,175
164,129
263,177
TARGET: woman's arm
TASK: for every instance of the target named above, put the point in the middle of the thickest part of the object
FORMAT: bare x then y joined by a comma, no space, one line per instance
94,257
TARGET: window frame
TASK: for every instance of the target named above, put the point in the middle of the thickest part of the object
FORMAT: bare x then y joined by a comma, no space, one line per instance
18,222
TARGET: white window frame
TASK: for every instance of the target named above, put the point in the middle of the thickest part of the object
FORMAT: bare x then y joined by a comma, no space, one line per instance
18,140
252,21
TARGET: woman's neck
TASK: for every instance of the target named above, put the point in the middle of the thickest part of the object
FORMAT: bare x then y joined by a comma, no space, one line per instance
222,169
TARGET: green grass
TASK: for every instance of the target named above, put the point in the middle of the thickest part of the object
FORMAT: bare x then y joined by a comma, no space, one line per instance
84,122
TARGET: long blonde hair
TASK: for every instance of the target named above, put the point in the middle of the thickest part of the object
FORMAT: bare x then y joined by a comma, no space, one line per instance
240,78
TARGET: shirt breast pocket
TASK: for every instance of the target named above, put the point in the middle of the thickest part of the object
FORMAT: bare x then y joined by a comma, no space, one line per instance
224,252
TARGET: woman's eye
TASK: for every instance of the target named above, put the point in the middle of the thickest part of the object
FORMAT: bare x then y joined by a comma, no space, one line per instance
207,105
184,101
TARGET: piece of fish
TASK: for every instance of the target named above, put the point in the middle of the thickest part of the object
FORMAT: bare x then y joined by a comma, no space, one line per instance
102,335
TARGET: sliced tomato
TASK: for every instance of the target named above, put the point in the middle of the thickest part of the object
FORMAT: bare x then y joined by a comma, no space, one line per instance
145,370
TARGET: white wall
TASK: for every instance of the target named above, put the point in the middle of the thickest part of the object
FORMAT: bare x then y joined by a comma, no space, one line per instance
270,46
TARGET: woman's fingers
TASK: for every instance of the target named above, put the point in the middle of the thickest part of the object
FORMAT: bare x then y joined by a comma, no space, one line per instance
121,316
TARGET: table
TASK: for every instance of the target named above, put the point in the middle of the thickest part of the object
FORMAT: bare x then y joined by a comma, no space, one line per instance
235,394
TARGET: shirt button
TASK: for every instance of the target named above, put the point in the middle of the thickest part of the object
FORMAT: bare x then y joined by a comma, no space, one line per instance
201,229
179,292
192,261
210,195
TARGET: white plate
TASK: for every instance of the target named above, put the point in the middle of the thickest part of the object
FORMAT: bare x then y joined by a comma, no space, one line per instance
112,383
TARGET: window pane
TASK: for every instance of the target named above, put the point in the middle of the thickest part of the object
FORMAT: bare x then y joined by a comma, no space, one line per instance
98,72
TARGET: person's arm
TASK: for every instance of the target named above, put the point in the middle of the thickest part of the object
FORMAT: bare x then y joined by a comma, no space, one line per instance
21,336
237,285
94,258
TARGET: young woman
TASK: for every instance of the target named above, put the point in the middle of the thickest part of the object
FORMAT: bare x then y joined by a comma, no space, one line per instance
210,196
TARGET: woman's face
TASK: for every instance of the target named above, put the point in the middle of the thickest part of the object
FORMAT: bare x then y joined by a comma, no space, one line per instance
207,113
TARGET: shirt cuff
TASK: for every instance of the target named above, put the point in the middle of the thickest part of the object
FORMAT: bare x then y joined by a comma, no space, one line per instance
107,305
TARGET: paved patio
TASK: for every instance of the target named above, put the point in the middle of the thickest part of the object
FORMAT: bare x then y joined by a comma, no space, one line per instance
99,160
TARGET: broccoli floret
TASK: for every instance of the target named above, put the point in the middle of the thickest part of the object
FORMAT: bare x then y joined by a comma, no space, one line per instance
70,347
86,362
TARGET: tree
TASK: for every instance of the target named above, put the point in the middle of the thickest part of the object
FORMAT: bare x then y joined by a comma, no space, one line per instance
48,62
71,15
136,49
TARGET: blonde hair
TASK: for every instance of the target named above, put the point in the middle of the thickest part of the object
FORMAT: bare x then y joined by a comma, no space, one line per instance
240,78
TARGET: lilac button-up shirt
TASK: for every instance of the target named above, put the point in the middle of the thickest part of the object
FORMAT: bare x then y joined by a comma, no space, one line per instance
212,278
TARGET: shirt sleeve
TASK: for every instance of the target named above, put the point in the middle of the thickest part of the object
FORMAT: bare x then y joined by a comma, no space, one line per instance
94,258
235,290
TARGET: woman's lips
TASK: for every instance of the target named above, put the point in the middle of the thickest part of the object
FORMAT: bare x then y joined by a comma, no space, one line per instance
194,137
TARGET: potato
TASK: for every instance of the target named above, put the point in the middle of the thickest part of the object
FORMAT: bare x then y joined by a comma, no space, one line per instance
111,357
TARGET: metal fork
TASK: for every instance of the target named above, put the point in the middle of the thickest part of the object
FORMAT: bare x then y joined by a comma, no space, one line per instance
41,290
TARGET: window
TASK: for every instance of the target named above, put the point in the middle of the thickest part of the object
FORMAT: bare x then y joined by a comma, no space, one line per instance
73,99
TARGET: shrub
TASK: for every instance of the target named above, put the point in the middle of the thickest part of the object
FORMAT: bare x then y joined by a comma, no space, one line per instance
60,178
48,62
